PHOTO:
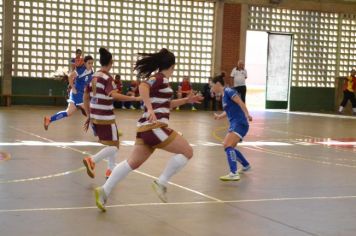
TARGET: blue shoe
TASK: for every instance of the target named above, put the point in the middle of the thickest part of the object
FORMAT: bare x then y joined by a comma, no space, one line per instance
244,169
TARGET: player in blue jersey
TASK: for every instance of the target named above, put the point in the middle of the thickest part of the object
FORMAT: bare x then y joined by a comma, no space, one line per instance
78,79
236,112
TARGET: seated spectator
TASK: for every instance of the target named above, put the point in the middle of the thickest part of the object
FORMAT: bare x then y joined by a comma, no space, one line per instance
184,89
132,91
119,86
209,96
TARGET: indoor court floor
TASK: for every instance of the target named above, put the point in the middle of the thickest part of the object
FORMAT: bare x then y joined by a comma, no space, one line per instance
302,181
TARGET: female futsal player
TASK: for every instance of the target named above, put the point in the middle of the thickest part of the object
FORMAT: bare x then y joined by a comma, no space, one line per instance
238,115
152,128
99,97
78,79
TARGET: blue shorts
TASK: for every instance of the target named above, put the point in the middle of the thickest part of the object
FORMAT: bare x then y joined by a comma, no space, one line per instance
77,98
239,129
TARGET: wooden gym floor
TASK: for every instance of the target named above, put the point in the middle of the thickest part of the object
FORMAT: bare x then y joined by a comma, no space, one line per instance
302,182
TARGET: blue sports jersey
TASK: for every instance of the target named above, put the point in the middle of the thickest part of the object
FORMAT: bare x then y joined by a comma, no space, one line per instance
233,111
84,77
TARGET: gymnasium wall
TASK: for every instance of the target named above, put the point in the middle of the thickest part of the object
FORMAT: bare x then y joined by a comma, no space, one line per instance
34,91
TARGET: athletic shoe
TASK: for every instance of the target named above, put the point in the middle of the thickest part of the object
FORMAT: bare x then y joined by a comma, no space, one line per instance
90,165
132,108
107,173
160,190
100,198
194,109
244,169
230,177
177,108
46,122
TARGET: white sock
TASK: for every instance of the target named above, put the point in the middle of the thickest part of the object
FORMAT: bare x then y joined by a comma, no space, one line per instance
103,153
111,162
341,108
354,110
175,164
120,171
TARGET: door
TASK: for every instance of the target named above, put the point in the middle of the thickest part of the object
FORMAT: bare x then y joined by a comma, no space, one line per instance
278,70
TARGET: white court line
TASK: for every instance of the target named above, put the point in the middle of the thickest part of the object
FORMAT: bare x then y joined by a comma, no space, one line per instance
338,116
77,150
179,203
127,143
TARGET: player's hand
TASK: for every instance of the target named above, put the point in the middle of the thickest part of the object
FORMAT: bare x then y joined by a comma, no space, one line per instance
138,99
217,116
249,118
151,116
191,98
86,124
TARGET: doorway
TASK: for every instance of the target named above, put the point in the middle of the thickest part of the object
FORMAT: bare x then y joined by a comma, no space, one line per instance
268,80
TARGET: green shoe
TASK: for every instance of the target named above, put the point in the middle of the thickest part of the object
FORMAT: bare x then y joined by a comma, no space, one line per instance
100,198
230,177
160,190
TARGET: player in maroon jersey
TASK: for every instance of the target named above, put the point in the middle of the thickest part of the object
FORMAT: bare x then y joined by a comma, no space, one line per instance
98,98
152,128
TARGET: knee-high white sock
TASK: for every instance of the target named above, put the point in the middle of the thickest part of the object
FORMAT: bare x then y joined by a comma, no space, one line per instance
175,164
111,161
104,153
120,171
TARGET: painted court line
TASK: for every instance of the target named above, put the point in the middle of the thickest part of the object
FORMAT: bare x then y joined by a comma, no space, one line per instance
179,203
82,168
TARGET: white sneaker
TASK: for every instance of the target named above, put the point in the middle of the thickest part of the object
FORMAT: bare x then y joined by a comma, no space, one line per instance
160,190
132,108
230,177
244,169
100,198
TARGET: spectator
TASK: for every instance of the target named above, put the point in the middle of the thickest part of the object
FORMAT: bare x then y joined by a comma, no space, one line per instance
238,77
349,91
132,91
184,89
209,96
119,86
78,61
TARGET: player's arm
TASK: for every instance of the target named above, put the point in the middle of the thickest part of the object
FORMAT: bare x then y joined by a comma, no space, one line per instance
191,98
71,78
144,89
219,116
86,105
238,101
120,97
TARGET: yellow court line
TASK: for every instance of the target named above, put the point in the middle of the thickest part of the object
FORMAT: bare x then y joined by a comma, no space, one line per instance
6,156
262,200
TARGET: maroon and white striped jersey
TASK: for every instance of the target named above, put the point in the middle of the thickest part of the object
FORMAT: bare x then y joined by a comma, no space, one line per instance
160,97
101,103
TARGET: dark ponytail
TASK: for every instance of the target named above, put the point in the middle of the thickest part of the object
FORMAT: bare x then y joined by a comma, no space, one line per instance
150,62
105,57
